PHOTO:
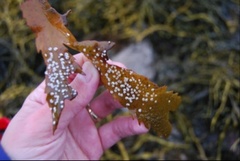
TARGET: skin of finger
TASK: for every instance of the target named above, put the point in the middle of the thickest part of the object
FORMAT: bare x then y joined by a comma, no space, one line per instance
104,104
116,63
119,128
80,59
85,134
38,95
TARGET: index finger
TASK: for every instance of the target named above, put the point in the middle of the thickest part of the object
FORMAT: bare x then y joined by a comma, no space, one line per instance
104,104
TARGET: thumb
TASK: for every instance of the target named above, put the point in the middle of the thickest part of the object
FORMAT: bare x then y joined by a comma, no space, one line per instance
86,86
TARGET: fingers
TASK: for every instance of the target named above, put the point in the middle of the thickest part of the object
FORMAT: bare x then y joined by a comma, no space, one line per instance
104,104
116,63
80,59
86,86
119,128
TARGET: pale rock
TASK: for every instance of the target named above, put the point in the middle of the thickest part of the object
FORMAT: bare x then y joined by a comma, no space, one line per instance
139,57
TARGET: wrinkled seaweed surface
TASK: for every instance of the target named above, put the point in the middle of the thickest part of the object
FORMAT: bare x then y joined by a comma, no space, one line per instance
196,45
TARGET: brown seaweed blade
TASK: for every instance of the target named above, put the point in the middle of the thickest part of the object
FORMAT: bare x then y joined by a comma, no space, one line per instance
51,34
150,102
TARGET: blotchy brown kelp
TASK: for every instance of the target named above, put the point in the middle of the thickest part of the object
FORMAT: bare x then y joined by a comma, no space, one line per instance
150,102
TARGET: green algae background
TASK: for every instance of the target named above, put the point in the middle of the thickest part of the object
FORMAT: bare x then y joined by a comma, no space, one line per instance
198,43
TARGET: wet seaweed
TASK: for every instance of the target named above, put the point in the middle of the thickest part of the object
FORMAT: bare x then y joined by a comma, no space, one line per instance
202,37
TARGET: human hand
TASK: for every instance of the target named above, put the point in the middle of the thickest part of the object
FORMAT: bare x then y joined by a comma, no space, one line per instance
30,136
